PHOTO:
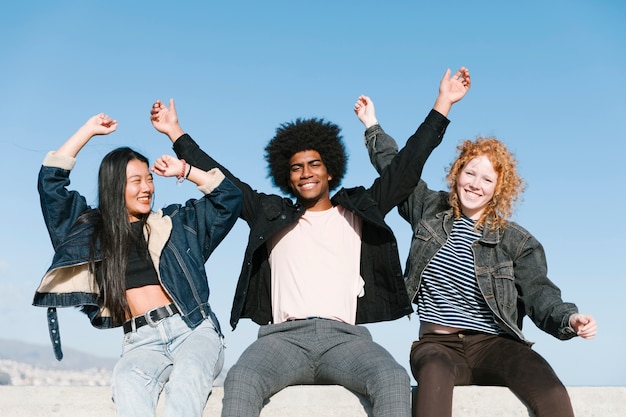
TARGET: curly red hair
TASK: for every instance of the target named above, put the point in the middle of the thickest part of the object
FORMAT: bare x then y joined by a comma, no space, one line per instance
509,185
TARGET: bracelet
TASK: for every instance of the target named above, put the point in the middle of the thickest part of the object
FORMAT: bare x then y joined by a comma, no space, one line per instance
188,172
181,177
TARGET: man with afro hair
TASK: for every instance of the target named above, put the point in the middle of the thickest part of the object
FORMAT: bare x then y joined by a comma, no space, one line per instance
302,135
316,268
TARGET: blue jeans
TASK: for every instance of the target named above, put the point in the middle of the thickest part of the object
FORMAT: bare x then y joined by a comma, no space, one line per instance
320,352
171,357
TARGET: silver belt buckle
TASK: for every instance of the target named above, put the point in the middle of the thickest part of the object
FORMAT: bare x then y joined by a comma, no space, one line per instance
152,322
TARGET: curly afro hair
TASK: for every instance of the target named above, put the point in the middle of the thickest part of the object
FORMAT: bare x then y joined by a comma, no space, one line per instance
305,135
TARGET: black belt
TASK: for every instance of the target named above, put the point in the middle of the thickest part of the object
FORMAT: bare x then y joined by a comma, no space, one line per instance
152,317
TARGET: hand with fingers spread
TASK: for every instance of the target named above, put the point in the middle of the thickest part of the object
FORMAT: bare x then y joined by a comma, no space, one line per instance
452,89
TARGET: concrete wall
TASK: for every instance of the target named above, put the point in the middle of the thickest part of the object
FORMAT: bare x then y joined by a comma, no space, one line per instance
302,401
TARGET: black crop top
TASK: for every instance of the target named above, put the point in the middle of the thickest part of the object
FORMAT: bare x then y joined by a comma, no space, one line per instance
140,270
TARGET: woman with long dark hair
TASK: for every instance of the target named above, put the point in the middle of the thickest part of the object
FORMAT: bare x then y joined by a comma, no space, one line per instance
126,265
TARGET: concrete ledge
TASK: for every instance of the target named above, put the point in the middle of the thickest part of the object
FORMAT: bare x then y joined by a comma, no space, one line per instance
302,401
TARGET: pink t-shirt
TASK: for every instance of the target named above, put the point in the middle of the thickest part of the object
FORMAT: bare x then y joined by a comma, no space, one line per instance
315,267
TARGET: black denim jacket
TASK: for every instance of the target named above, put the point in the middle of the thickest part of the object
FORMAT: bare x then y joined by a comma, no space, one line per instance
385,294
510,264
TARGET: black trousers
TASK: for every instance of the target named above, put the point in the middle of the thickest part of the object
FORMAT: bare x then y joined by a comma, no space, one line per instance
439,362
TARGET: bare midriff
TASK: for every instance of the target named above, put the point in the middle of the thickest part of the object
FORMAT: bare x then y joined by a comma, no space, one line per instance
432,328
146,298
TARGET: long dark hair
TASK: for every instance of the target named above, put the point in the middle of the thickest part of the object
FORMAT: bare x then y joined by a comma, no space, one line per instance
112,234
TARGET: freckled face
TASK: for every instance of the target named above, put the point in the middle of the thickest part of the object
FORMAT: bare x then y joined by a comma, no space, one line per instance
139,190
476,186
309,180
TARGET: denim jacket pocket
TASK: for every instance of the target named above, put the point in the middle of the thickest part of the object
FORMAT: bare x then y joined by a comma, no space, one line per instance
423,246
503,279
420,251
423,233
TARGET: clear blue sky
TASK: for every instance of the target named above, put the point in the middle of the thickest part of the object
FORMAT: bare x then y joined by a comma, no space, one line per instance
548,79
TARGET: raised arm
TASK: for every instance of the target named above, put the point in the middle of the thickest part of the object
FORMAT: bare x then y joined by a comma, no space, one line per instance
399,175
365,111
100,124
61,207
381,147
216,213
165,120
452,89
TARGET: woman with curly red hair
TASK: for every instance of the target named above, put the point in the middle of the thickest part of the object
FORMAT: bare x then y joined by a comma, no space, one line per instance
474,275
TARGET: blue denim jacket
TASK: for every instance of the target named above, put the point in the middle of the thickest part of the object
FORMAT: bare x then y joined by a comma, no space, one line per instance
510,264
182,237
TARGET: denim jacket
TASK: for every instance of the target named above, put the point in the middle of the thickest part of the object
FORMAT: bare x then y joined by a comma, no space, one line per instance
385,294
182,237
510,264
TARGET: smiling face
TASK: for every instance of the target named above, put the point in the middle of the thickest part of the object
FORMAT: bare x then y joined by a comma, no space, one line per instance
139,190
475,186
309,179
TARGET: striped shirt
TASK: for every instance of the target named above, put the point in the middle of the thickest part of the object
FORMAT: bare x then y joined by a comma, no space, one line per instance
449,293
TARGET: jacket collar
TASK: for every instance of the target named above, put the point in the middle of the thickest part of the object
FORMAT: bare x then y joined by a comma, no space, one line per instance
490,236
